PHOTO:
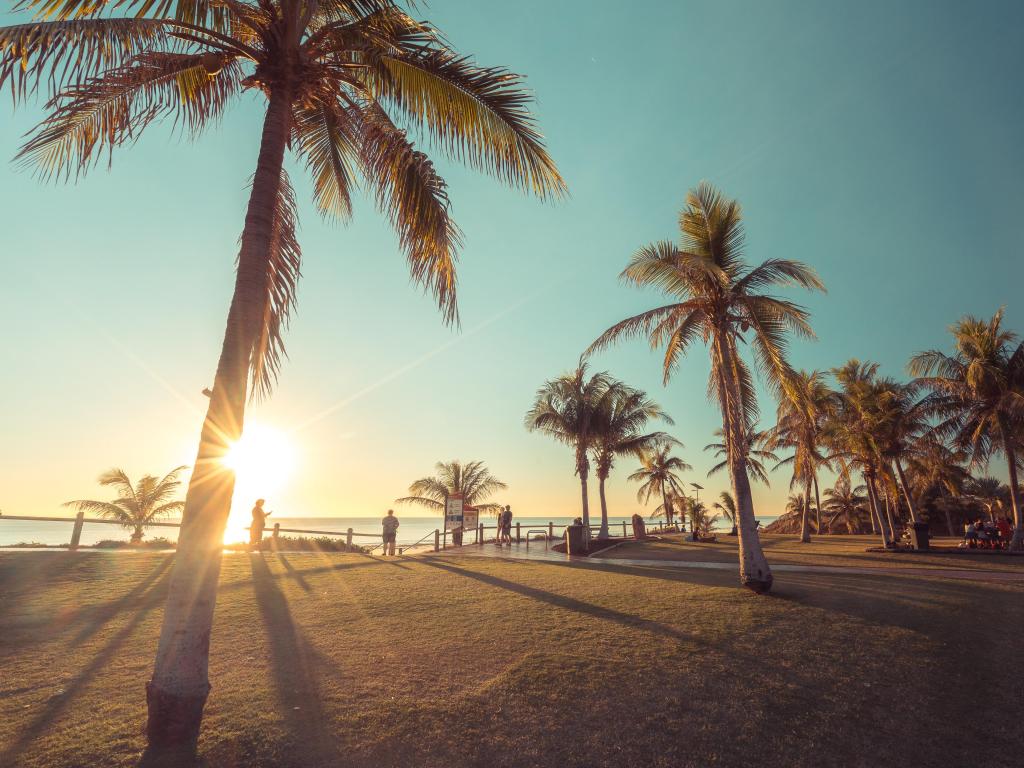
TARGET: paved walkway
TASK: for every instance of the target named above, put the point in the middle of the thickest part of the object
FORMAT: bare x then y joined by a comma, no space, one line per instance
536,551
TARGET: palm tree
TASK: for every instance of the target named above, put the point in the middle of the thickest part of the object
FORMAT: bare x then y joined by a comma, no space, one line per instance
569,409
853,433
702,523
471,480
619,432
902,422
933,465
757,450
136,505
726,505
846,504
717,298
991,493
342,79
658,475
803,408
978,395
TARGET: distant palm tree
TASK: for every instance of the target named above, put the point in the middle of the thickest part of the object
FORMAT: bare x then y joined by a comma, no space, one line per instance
472,480
932,465
991,493
717,298
344,82
757,453
619,432
726,505
852,433
804,406
136,505
569,409
659,476
845,504
978,393
702,522
902,421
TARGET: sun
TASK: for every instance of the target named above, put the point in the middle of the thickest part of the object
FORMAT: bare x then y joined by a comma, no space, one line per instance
263,461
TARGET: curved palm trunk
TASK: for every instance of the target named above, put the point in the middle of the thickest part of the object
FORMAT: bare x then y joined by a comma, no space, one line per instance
177,692
603,533
754,571
817,507
876,512
137,535
906,491
805,520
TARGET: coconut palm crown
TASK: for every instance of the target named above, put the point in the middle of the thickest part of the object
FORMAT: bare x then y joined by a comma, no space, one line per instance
136,504
718,299
472,480
658,475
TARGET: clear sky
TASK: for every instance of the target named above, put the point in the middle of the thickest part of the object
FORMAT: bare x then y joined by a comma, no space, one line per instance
879,142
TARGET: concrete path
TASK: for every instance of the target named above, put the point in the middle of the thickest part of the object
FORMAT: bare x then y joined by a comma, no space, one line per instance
536,551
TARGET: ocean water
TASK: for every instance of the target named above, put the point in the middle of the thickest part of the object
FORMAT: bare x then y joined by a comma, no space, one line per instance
411,529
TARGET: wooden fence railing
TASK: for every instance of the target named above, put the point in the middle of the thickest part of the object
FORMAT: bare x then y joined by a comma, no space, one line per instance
440,537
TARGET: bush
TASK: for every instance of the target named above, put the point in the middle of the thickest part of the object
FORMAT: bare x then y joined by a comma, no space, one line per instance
26,545
158,543
300,544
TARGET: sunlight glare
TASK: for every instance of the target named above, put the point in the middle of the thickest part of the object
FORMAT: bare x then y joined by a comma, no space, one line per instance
263,461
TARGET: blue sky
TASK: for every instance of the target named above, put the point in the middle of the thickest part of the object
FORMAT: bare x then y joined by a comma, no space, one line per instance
878,142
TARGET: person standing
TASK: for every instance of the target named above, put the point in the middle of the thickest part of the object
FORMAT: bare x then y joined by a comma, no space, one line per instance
506,525
390,531
259,522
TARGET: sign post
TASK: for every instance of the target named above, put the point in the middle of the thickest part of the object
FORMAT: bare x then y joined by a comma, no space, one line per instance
453,512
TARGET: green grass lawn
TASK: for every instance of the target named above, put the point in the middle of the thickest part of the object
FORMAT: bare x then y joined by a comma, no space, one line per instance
822,550
326,660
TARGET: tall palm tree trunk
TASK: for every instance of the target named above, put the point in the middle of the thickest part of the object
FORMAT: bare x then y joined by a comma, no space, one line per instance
603,533
906,491
583,470
177,692
873,502
817,506
754,571
1017,541
805,519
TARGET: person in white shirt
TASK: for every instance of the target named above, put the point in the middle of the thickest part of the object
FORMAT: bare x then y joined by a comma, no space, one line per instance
390,530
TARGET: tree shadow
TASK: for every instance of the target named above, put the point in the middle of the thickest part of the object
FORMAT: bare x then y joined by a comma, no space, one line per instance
58,703
569,603
293,665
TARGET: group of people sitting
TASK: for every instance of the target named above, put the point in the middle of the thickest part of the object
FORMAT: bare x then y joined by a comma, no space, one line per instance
988,534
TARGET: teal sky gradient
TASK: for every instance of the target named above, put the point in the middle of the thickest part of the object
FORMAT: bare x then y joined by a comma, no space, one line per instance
877,141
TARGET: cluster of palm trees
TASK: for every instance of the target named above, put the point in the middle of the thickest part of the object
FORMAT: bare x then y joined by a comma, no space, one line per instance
602,419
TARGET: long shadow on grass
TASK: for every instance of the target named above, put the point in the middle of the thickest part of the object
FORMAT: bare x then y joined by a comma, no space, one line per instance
56,705
292,664
568,603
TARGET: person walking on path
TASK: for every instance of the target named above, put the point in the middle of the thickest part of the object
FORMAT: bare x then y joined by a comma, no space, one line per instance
259,522
390,530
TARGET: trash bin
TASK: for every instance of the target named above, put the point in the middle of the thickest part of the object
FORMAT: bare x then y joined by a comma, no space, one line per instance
919,535
574,543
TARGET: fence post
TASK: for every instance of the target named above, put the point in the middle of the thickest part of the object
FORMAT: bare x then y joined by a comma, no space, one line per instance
551,530
437,539
518,537
444,539
348,539
76,532
277,531
480,534
623,529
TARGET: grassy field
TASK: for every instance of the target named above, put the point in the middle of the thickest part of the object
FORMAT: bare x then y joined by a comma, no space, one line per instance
326,660
823,550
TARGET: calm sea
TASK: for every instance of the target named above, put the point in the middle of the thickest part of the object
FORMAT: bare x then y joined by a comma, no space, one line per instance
411,529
